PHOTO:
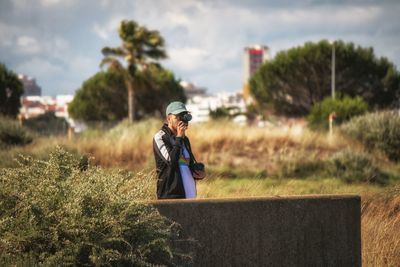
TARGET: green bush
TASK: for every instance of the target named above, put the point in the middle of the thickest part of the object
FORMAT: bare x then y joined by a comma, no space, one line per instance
224,113
47,124
11,133
345,108
65,212
301,168
353,167
380,130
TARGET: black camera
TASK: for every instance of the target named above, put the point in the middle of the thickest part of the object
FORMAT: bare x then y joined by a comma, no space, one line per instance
185,117
198,166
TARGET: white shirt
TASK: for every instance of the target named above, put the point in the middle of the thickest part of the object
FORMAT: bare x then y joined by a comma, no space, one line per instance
189,183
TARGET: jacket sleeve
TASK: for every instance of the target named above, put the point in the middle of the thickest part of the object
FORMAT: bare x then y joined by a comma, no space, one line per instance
168,151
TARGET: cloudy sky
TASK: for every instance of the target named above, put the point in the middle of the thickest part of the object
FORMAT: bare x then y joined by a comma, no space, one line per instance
59,41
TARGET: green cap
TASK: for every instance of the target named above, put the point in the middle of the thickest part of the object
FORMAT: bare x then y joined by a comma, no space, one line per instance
175,108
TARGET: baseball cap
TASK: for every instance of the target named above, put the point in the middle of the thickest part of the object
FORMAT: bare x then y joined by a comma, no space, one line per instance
175,107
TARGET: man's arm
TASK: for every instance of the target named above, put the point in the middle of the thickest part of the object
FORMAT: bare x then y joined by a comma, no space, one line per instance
168,152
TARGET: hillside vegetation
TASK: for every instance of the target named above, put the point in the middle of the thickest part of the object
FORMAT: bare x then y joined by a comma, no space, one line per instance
241,161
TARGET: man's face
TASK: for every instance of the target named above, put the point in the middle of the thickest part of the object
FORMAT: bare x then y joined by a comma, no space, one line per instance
173,120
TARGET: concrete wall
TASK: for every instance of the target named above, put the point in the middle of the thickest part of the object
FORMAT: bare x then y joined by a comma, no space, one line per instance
278,231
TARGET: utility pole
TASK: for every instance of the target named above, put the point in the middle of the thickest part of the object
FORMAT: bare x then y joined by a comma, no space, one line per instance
333,70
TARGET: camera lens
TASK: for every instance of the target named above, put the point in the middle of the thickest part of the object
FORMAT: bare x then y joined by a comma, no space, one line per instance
185,117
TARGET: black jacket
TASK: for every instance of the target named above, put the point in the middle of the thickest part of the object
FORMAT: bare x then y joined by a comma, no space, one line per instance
167,148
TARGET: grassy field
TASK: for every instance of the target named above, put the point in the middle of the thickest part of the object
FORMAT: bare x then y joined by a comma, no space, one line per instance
249,161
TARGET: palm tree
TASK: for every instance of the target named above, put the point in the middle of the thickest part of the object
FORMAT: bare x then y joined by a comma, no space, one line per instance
140,48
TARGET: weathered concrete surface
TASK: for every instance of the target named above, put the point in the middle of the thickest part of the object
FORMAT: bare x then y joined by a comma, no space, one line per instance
278,231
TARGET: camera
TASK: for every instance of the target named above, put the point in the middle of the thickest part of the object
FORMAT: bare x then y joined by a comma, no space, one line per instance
198,171
184,117
198,166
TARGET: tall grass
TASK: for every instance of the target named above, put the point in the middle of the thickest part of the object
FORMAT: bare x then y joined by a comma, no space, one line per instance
380,228
126,145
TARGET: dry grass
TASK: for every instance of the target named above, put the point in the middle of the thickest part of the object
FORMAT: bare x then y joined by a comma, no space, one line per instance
243,187
226,144
128,145
381,229
218,143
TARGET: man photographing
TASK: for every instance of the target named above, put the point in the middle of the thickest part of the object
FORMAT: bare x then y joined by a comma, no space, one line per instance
176,166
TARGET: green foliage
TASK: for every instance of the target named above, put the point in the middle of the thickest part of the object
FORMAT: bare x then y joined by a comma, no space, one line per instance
140,47
300,77
155,89
103,96
47,124
11,89
224,113
12,133
353,167
380,130
66,212
347,165
301,168
345,108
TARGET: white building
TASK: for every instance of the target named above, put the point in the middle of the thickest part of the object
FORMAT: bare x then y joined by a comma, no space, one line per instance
33,106
200,106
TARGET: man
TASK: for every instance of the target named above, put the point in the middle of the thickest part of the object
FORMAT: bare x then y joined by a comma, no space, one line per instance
174,157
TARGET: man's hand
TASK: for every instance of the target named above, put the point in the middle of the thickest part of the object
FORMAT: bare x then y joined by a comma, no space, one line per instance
181,129
198,175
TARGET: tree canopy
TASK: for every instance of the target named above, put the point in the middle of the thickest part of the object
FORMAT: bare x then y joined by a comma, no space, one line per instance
11,89
140,49
296,79
103,96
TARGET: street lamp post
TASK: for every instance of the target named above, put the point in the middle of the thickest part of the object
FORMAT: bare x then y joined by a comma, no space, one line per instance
332,116
333,70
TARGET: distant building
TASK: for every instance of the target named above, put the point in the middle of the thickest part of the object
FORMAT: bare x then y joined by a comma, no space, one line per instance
33,106
199,102
30,86
200,106
192,91
253,58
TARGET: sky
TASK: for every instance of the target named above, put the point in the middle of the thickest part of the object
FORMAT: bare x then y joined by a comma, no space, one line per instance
59,42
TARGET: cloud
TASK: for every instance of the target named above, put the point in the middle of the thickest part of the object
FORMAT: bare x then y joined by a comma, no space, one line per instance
108,29
28,45
188,58
205,39
39,67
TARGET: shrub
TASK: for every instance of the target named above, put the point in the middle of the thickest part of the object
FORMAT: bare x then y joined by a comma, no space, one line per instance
66,212
47,124
345,108
11,133
224,113
297,168
380,130
354,167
